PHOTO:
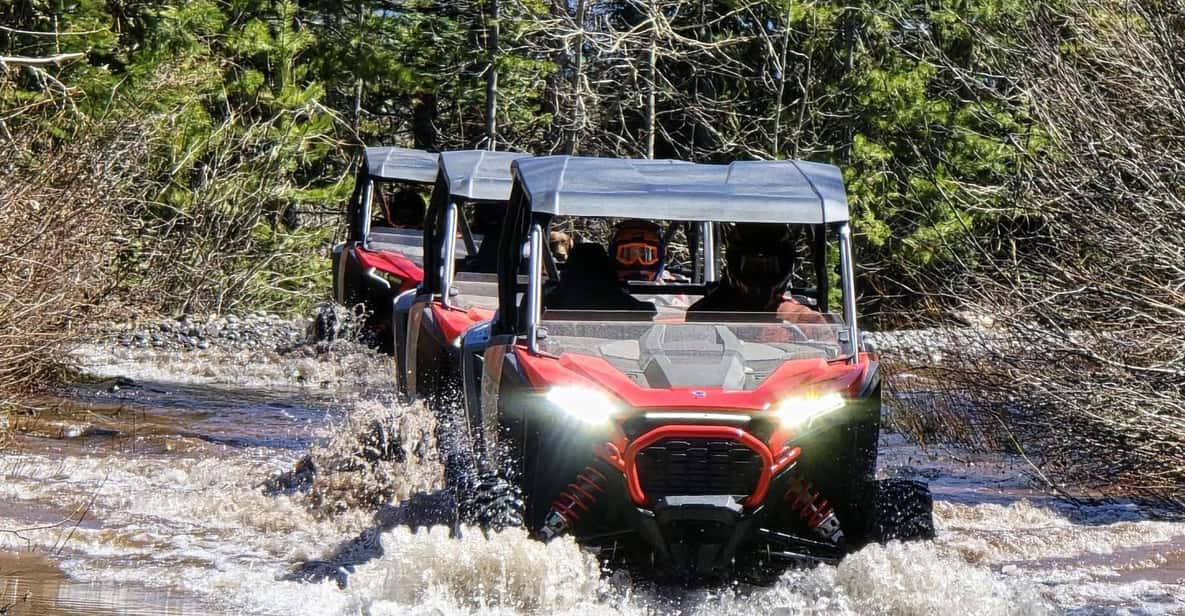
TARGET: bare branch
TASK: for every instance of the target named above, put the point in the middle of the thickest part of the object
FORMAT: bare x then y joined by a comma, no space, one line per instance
58,59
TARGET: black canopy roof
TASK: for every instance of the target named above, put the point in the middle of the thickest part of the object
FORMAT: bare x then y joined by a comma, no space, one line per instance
790,191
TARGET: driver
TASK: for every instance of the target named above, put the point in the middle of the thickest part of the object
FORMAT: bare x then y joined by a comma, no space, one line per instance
588,283
638,251
403,209
487,220
757,271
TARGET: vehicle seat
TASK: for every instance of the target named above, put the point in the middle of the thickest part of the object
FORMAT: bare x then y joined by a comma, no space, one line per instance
589,282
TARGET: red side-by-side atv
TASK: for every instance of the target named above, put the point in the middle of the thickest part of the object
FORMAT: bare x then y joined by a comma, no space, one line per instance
382,256
671,426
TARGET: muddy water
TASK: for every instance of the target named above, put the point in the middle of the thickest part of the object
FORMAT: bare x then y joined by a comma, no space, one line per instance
154,498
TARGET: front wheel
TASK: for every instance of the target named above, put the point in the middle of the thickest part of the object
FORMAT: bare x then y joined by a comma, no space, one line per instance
494,503
904,511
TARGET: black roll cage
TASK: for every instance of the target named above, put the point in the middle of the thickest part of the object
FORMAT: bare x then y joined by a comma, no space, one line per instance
514,247
434,223
362,201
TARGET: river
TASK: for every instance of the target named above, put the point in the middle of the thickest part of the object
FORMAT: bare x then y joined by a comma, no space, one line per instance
159,496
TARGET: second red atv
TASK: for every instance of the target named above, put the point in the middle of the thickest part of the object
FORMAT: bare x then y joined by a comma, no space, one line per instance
687,442
459,290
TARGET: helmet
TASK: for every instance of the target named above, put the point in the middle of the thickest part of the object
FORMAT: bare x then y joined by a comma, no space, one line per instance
759,257
638,250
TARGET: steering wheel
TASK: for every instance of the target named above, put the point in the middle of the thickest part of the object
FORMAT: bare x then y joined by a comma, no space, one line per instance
799,335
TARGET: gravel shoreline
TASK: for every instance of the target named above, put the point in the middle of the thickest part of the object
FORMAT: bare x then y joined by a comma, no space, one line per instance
262,331
256,331
256,349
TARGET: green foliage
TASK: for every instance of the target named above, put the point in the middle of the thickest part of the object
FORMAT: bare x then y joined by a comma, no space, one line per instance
252,107
237,132
933,134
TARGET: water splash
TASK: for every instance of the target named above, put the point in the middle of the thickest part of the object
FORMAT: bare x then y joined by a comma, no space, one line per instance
230,521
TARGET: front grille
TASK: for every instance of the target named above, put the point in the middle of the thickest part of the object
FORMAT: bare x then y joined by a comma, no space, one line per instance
697,466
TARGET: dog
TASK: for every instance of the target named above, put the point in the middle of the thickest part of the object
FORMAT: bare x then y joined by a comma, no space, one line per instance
560,244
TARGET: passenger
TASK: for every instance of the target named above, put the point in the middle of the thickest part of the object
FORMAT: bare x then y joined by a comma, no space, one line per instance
487,220
638,250
589,283
757,271
403,209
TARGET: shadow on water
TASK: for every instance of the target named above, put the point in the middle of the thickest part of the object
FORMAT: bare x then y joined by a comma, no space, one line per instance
421,510
277,418
962,476
973,481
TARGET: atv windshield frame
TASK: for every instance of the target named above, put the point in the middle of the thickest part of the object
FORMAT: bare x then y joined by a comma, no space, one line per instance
463,178
774,192
386,165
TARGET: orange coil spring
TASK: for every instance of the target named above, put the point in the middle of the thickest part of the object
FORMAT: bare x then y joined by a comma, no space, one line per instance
580,495
805,501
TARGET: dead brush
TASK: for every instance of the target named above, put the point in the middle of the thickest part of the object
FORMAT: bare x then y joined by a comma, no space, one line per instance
1084,277
58,246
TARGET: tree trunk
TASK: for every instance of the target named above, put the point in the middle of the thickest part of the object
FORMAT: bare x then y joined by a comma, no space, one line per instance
577,118
776,138
651,112
492,77
423,120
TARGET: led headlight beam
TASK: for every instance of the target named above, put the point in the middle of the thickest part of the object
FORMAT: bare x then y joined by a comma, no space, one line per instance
589,405
800,411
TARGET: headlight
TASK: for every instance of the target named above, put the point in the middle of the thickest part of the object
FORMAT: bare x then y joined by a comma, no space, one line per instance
589,405
800,411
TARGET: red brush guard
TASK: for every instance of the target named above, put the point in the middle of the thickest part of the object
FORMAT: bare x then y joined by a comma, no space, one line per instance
698,460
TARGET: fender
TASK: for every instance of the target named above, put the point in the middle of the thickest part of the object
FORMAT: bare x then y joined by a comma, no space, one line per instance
393,264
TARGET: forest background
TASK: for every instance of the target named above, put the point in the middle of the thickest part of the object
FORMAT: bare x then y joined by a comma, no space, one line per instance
1016,170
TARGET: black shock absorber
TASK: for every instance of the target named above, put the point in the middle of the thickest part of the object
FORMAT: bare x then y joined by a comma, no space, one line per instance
814,510
573,502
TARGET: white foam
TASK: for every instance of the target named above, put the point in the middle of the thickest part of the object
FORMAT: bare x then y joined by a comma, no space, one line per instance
994,533
202,525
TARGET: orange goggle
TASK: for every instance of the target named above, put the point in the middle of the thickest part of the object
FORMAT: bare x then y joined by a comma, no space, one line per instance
637,253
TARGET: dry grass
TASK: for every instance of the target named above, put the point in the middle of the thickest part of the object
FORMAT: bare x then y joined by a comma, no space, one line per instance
1085,277
57,256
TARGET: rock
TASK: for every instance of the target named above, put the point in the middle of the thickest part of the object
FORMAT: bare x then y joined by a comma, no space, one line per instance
203,345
